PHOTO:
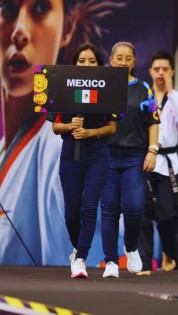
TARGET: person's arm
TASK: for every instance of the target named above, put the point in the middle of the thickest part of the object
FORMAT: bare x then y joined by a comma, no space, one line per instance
153,131
171,94
61,128
108,130
150,159
173,98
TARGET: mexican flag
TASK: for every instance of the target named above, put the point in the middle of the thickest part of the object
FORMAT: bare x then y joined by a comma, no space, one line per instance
86,96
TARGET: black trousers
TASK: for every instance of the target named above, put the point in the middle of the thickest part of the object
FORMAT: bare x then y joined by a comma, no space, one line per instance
159,206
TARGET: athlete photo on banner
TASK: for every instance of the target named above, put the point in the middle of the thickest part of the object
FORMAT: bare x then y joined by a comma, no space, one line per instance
32,224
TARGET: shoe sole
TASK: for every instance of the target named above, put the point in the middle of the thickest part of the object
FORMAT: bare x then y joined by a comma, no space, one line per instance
79,275
130,269
134,270
111,276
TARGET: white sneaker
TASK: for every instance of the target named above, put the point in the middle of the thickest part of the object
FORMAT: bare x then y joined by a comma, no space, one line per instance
134,263
72,258
79,269
111,270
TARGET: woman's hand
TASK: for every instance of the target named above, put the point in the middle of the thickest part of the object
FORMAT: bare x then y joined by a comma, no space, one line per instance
77,122
149,162
80,133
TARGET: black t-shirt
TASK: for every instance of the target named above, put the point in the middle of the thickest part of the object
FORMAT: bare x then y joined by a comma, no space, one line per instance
132,131
91,121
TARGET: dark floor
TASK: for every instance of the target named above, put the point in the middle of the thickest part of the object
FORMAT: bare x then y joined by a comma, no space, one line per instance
128,295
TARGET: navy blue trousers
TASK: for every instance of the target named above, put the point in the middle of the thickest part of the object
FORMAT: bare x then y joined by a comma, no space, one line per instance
124,192
82,183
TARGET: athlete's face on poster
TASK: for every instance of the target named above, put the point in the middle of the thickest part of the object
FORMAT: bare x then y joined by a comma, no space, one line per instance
30,33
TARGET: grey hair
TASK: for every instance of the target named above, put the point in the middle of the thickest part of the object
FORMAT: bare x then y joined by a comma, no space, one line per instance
128,44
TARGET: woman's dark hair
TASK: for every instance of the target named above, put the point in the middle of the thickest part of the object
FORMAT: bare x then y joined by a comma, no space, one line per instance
95,50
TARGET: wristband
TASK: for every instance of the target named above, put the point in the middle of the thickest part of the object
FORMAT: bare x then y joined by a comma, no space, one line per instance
153,146
155,153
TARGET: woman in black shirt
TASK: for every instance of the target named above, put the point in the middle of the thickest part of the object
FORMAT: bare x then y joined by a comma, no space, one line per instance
133,151
83,180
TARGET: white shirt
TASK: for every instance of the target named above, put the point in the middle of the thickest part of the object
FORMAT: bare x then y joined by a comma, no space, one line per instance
168,134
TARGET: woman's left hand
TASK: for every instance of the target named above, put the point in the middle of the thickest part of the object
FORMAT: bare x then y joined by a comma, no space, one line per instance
149,162
80,133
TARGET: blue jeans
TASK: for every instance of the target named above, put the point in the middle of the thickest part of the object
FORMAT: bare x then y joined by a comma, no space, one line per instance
124,192
82,182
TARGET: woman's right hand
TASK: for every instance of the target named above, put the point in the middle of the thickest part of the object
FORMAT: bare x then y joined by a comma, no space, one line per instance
77,122
149,162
